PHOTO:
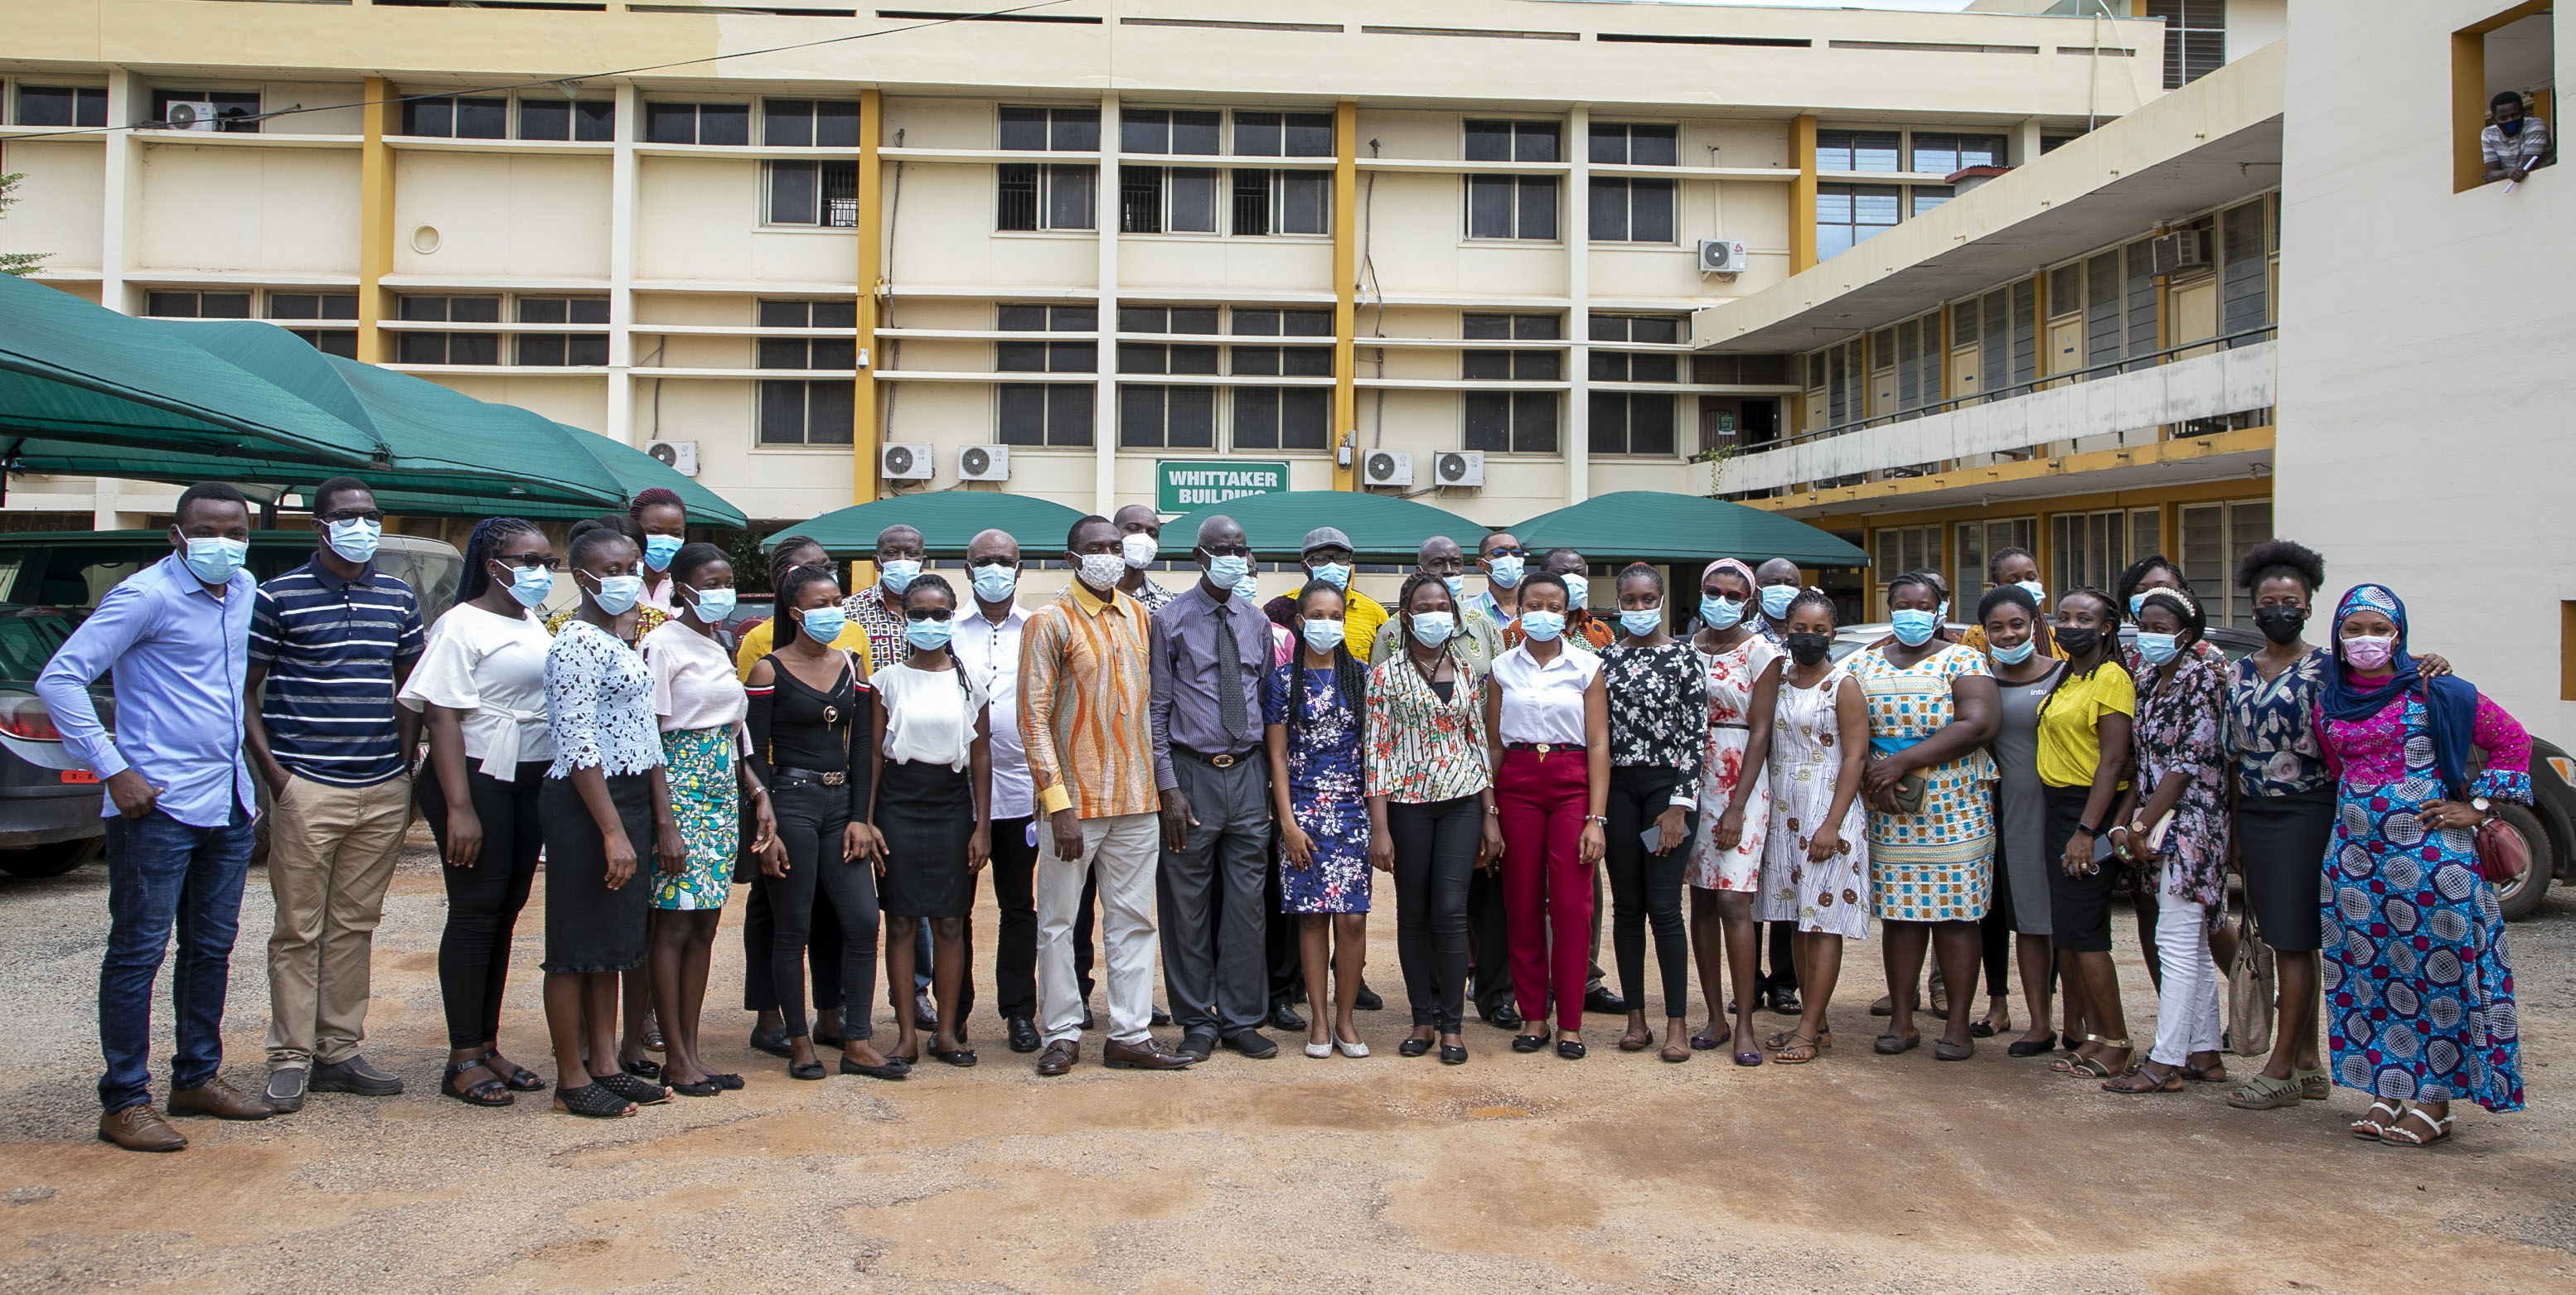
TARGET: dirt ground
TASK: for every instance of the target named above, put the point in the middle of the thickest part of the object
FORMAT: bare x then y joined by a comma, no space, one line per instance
1616,1173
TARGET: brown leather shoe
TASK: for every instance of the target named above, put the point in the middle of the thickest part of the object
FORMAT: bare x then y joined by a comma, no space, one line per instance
1147,1055
218,1099
140,1128
1059,1057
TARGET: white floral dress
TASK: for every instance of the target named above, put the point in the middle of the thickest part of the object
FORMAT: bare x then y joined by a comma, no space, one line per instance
1806,756
1731,675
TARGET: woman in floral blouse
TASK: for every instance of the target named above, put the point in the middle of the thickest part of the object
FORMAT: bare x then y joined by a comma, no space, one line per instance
1429,803
1725,878
2180,741
1658,741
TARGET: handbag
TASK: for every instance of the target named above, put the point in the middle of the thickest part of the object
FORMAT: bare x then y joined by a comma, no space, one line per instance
1910,786
2503,854
2250,991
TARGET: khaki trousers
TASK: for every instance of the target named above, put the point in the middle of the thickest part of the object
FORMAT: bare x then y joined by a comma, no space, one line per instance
331,853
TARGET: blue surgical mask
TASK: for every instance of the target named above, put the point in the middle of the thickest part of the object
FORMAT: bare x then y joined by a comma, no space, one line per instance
1576,590
1505,572
2015,654
530,585
928,636
1336,574
1248,589
897,574
1457,586
1640,624
1226,569
2136,601
1321,635
1720,613
715,604
2037,591
2156,649
1431,629
215,560
617,594
994,581
660,549
1776,600
1944,613
823,624
1543,627
1913,626
355,538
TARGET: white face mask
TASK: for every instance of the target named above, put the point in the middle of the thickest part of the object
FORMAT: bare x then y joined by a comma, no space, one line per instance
1139,548
1101,571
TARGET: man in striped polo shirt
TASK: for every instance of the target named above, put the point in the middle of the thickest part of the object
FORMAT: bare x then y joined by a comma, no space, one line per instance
332,640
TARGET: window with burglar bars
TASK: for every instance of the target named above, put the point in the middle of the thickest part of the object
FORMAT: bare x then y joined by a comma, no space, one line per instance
808,411
814,193
2195,38
1282,202
1045,413
1053,196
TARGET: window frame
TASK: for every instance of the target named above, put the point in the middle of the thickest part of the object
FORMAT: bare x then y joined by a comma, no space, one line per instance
1519,187
697,122
78,103
1041,181
824,172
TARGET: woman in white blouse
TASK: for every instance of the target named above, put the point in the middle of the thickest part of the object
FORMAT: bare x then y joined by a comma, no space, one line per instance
1548,724
700,705
932,809
481,687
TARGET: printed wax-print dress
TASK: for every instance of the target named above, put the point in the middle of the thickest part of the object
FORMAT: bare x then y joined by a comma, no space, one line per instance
1936,865
706,803
1325,791
1806,757
2182,728
2418,987
1730,702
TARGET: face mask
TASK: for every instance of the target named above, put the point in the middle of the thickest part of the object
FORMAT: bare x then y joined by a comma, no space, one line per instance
1913,627
1808,649
823,624
2370,651
1102,570
1457,586
1505,571
2156,649
2037,591
616,595
1322,635
1720,613
714,605
928,636
1336,574
1640,624
354,539
2016,654
994,582
1431,629
660,549
1943,615
530,585
2077,642
1577,589
2281,624
2136,601
1139,548
1226,569
1248,589
1776,600
1542,627
215,560
895,575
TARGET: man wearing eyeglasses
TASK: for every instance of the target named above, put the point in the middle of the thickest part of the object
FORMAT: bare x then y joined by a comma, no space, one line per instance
332,640
1501,559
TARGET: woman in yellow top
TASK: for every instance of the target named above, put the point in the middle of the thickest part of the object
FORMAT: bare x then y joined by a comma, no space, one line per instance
2083,750
791,552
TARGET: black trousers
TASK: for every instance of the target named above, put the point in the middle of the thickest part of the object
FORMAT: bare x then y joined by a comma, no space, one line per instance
1435,861
811,819
1996,932
1646,887
1281,949
759,935
1015,957
1488,941
483,901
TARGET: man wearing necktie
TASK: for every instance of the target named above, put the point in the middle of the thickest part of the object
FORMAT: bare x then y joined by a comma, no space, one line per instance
1210,652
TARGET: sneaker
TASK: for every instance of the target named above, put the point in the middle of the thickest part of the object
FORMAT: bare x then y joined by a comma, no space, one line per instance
285,1091
355,1075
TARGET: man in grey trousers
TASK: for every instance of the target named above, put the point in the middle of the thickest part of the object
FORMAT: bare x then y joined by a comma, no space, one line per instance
1211,653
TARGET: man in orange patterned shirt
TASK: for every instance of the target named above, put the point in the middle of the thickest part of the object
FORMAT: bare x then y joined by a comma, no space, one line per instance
1084,684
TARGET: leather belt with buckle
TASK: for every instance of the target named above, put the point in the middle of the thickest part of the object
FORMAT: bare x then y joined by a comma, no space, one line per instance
792,774
1542,748
1227,761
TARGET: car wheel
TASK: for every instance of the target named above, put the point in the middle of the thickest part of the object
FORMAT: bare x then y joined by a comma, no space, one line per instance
52,860
2521,897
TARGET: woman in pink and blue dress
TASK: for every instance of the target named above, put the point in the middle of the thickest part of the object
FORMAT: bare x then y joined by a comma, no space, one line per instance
2419,1007
1315,708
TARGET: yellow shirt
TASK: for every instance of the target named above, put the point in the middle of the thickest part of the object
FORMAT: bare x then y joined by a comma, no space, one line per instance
1361,616
755,645
2070,744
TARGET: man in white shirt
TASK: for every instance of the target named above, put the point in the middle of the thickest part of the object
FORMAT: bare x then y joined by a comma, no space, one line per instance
987,643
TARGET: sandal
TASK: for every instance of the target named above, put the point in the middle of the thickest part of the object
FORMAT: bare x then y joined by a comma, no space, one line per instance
1823,1042
2128,1082
594,1101
519,1080
2094,1067
488,1092
2264,1093
2216,1074
2315,1085
636,1090
2398,1135
2370,1127
1798,1050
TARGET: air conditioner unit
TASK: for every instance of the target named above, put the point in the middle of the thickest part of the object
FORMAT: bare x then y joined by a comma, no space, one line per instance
1386,468
904,463
678,456
2183,249
1458,468
188,114
1718,256
984,463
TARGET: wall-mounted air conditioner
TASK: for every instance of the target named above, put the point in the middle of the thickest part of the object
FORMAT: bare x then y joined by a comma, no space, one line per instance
678,456
984,463
1386,468
188,114
1719,256
904,463
1458,468
2183,249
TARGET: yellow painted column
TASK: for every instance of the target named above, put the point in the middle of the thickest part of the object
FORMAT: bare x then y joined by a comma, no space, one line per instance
375,218
864,432
1802,193
1346,315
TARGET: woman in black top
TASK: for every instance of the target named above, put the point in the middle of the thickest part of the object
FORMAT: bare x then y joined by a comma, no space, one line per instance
810,718
1658,734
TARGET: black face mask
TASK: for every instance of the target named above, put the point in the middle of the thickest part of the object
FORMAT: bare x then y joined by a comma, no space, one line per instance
2077,642
1808,649
2281,623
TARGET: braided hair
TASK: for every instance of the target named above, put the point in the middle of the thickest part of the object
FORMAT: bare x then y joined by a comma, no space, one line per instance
790,584
1812,596
1350,678
2111,608
488,536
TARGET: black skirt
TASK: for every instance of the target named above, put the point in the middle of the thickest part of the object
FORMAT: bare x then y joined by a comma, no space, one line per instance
590,928
2283,841
926,811
2079,908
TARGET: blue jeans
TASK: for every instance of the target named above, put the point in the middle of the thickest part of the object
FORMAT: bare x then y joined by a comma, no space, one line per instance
162,873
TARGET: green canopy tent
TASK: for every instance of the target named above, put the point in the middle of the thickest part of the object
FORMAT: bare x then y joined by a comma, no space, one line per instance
1657,526
947,519
1381,527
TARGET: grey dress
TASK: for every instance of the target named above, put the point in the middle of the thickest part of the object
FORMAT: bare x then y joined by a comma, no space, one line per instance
2024,811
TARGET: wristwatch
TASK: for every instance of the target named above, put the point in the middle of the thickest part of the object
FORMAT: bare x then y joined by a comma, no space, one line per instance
2087,828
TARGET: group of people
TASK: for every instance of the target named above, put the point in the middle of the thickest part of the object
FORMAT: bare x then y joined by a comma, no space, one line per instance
1227,783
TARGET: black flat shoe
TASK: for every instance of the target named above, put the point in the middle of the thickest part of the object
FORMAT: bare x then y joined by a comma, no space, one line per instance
1368,1001
1159,1019
707,1087
1784,1002
1452,1054
889,1071
636,1090
643,1068
822,1040
1980,1030
773,1042
1023,1034
519,1080
731,1083
594,1101
1528,1042
1570,1049
958,1057
1413,1047
805,1070
2033,1048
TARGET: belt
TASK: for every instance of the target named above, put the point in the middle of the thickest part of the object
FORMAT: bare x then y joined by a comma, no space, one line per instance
1722,724
1542,748
1227,761
789,773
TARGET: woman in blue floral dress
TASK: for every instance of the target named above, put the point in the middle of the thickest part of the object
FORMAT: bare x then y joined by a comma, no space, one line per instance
1313,708
2418,988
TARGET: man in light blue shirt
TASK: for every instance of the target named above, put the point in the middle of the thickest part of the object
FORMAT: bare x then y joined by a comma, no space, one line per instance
179,806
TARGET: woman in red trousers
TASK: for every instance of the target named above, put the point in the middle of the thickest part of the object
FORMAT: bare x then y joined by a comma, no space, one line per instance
1548,723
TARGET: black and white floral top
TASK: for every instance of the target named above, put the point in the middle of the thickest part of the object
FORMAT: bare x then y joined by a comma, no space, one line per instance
1658,711
599,704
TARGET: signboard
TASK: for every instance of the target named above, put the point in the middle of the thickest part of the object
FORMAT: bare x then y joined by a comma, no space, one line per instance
1187,485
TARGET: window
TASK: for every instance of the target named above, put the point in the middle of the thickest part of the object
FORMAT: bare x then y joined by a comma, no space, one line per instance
1835,385
1159,417
1033,197
1978,542
1740,370
1512,206
1858,150
62,105
2093,548
1161,357
697,123
1284,361
807,411
1921,198
1281,418
813,193
1044,130
1168,319
2212,537
342,342
1156,131
2195,37
579,350
1512,141
1726,422
1282,202
197,305
450,348
2139,274
1632,422
1636,145
1916,356
1511,366
1626,366
1899,549
1632,211
820,123
1283,323
1045,413
1523,328
2004,328
2244,269
444,117
1941,154
236,111
1657,330
1511,422
1283,134
586,120
1849,214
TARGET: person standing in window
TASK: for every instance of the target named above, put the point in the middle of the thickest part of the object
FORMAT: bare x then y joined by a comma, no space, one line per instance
2084,725
987,643
2513,144
2007,626
1657,694
1725,879
665,522
1314,712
